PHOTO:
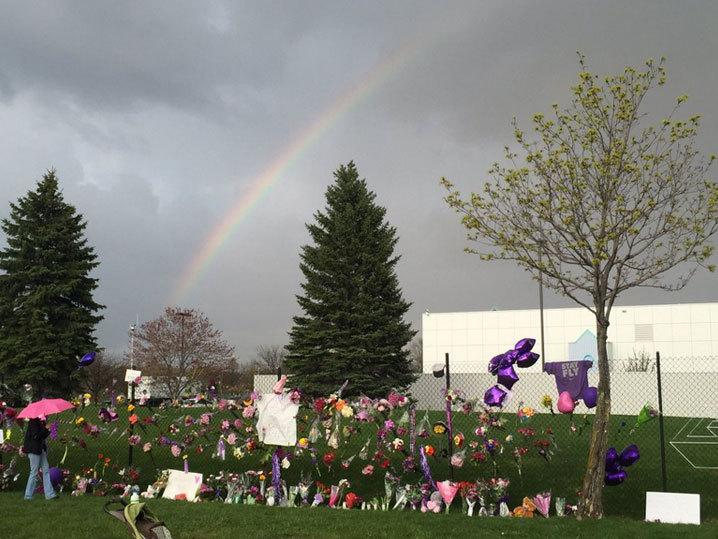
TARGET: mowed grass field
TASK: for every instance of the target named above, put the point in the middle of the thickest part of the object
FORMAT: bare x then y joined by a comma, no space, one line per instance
561,474
84,518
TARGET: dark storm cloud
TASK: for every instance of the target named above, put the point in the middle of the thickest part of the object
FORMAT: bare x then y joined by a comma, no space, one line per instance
159,115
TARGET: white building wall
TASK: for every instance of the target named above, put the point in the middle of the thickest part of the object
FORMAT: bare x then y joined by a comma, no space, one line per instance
471,338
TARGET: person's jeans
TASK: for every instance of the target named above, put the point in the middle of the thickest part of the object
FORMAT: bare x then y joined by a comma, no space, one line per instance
37,461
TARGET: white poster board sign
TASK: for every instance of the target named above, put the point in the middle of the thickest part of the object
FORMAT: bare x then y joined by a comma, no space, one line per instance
277,422
673,508
180,482
2,436
132,375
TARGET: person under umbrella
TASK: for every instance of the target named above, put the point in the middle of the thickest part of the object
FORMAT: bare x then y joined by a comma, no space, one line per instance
35,443
35,447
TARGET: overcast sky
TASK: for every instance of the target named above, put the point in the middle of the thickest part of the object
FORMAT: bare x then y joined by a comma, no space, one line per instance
159,116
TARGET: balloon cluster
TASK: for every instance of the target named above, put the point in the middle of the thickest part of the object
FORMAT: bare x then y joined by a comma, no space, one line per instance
615,474
502,366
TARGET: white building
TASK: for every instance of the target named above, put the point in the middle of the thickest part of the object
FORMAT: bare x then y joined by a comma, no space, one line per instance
688,332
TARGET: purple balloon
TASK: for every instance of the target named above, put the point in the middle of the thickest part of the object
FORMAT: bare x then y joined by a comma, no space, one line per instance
629,455
611,459
495,363
527,359
507,376
616,477
495,396
511,356
55,476
524,345
87,359
590,396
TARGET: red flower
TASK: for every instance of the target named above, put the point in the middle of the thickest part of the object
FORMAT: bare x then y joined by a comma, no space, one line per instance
384,463
478,456
542,443
328,458
351,499
319,405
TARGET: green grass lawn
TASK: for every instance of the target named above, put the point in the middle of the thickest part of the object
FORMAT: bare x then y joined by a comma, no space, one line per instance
83,517
561,475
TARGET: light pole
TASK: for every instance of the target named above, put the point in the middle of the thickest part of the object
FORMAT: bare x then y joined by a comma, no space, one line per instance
540,256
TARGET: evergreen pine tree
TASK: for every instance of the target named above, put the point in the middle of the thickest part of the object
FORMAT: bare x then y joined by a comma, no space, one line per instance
47,310
352,327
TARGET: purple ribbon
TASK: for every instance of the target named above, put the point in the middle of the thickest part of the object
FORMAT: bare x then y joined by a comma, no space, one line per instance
425,468
412,429
220,449
53,430
276,477
186,465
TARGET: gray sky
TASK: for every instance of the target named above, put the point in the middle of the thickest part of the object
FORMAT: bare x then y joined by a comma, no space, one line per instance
159,116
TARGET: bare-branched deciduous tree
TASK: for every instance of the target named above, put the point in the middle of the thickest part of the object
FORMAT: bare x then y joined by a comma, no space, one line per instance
182,351
602,201
416,354
269,358
104,376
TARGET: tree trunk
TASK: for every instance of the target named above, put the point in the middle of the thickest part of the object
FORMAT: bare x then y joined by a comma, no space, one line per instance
590,503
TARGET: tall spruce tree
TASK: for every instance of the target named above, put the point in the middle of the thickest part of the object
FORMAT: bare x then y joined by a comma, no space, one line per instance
47,311
352,327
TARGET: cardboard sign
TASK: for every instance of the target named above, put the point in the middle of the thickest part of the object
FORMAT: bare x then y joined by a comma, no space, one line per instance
180,482
673,508
131,375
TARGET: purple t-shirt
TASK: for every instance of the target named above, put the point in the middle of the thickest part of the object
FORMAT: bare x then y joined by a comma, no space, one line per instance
571,376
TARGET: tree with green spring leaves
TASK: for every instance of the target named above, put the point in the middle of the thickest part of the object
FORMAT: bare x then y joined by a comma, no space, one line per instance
599,200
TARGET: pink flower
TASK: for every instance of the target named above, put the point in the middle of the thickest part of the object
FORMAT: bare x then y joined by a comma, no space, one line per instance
204,419
134,439
232,438
176,451
147,447
225,425
362,415
237,423
368,470
222,404
248,412
388,424
295,396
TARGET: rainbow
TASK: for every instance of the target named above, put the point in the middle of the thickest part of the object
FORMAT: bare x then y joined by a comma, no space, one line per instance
448,25
262,185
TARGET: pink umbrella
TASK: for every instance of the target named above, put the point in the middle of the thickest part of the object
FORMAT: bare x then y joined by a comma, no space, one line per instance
45,407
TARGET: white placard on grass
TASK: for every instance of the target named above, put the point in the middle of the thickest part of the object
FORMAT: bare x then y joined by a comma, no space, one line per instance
673,508
180,482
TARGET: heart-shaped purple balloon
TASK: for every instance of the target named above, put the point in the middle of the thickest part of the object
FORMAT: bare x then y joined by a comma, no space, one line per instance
611,459
507,376
524,345
527,359
495,396
629,455
616,477
589,396
87,359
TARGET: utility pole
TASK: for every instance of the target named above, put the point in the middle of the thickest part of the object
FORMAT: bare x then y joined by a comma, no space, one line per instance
543,349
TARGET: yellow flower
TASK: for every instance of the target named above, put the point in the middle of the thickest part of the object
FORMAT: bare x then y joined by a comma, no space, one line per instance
347,411
79,421
439,428
87,396
262,477
303,443
130,407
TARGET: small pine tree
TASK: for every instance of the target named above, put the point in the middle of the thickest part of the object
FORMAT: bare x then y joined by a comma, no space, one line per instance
352,327
47,310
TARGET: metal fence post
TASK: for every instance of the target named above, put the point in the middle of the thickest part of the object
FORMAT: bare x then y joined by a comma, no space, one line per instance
660,422
132,426
279,372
